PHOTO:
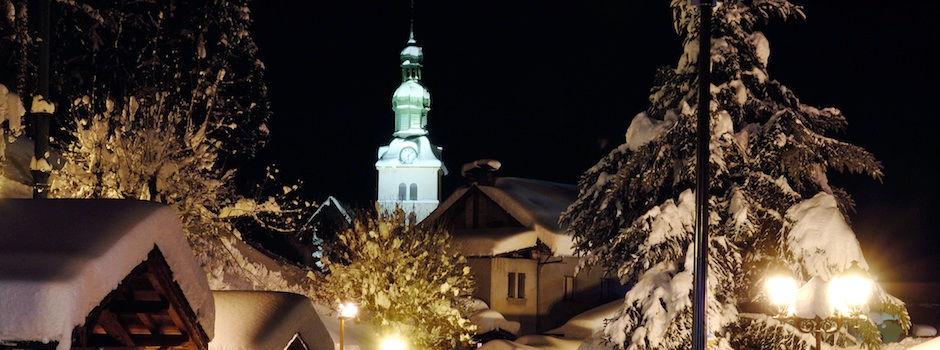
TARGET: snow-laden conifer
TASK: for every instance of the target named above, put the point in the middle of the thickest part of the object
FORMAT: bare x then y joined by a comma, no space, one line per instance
769,197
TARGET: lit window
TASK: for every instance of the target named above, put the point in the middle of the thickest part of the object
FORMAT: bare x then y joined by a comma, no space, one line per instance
516,285
413,195
401,191
569,287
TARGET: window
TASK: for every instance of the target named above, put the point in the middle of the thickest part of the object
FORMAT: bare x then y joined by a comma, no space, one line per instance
401,191
516,285
569,287
413,195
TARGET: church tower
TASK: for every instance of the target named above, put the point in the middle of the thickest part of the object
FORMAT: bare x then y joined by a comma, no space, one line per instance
410,167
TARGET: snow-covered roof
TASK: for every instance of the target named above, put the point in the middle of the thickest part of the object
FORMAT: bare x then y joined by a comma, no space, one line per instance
247,320
429,155
331,202
60,257
536,204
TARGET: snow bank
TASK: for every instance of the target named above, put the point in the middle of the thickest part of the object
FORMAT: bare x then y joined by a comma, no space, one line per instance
489,319
533,342
932,344
59,258
589,322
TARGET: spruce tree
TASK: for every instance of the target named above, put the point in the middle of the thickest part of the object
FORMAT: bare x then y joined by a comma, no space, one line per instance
770,157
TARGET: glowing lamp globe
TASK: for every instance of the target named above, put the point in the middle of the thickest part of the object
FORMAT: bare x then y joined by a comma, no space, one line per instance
393,343
348,310
851,289
782,291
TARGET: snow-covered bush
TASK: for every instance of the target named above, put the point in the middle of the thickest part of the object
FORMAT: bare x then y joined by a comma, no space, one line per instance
407,279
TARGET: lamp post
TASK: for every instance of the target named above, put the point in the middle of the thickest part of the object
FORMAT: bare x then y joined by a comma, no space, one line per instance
346,311
700,268
820,307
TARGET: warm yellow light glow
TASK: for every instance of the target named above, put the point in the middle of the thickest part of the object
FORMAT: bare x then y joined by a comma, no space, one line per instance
849,291
782,290
393,344
852,291
348,310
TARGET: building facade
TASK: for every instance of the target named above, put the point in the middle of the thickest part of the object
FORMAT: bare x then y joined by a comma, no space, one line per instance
523,264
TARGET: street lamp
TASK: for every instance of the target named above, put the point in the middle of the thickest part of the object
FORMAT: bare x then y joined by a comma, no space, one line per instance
392,343
820,307
346,311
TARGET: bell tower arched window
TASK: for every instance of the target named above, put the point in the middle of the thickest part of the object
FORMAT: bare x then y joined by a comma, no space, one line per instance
413,192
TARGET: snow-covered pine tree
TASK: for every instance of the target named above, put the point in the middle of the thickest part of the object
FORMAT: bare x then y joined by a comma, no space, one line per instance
406,279
200,53
162,101
769,198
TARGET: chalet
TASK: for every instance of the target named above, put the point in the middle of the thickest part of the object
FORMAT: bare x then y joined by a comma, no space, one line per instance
99,274
524,264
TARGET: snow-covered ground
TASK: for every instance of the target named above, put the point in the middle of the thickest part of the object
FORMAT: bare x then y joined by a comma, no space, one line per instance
581,333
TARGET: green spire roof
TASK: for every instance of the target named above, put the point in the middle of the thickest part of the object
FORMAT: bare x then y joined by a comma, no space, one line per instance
411,101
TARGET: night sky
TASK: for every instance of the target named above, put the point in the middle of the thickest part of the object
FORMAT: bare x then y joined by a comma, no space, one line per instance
549,87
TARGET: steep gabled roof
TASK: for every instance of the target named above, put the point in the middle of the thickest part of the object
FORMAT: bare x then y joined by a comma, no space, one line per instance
534,206
332,204
62,259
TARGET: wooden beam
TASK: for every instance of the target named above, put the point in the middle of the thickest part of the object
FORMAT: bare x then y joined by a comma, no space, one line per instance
148,322
162,278
109,321
138,306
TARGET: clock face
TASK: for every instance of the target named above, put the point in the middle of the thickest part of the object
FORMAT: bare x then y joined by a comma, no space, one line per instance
408,155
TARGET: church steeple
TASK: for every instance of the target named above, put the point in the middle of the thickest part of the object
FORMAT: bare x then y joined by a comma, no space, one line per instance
410,166
411,101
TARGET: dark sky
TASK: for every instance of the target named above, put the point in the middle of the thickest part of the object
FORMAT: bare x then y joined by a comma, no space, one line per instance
549,87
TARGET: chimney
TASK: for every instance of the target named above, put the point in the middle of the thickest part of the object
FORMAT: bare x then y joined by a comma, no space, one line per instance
480,172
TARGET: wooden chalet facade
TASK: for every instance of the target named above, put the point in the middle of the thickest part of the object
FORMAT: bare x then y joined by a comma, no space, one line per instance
148,310
523,263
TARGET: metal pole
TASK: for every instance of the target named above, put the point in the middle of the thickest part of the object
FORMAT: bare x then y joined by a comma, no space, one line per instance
40,124
341,333
699,321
